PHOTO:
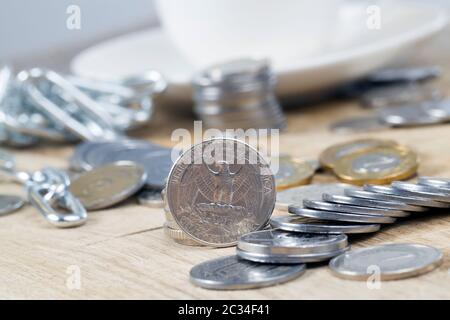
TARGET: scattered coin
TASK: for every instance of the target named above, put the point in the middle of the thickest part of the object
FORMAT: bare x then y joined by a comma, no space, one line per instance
307,225
435,182
9,204
310,192
216,201
340,216
395,194
360,124
293,173
390,261
287,258
108,185
422,191
232,273
371,203
380,165
151,198
291,243
331,155
344,208
383,198
408,115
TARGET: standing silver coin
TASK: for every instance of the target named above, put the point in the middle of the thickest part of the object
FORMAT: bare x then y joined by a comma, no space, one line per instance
296,195
232,273
219,190
9,204
108,185
151,198
393,261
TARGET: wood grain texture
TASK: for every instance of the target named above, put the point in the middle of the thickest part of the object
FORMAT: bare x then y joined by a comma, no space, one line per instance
123,253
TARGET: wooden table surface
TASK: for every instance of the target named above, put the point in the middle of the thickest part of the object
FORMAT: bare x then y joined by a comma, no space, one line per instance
123,253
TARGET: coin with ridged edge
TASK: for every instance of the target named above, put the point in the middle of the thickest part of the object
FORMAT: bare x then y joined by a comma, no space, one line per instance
219,190
390,261
179,236
108,185
380,165
232,273
423,191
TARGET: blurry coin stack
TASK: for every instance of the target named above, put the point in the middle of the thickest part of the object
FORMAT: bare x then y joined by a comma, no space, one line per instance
238,94
40,104
370,161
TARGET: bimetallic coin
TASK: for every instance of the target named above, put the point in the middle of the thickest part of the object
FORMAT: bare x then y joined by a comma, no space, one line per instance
377,166
345,208
180,237
310,192
340,216
9,204
292,173
108,185
332,154
151,198
443,183
288,259
307,225
422,191
219,190
290,243
390,261
370,203
232,273
383,199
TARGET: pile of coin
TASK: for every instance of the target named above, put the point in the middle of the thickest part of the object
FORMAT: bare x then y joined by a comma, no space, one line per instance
401,98
370,161
321,217
238,94
40,104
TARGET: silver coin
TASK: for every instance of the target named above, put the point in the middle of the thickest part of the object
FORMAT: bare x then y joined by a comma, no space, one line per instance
291,243
371,203
345,208
151,198
308,225
361,124
288,259
440,109
309,192
383,198
339,216
443,183
422,191
390,261
394,194
9,204
412,74
408,115
214,200
108,185
232,273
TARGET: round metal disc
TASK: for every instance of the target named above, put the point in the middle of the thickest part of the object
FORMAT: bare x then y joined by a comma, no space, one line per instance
108,185
422,191
390,261
339,216
151,199
295,196
290,243
408,115
345,208
288,259
443,183
307,225
232,273
9,204
389,206
395,194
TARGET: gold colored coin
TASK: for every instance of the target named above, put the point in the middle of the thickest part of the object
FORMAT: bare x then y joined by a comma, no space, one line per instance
293,173
380,165
180,237
331,155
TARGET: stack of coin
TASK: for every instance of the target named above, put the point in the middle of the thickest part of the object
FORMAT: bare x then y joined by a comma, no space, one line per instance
238,94
370,161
